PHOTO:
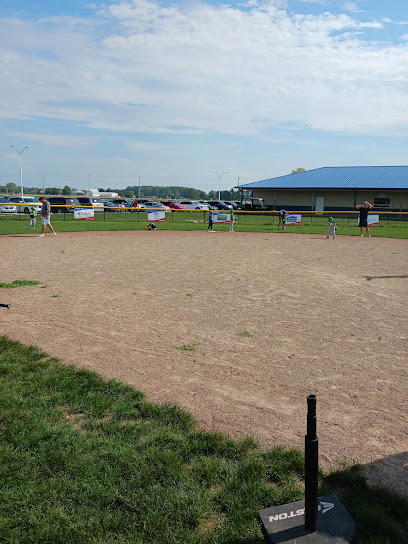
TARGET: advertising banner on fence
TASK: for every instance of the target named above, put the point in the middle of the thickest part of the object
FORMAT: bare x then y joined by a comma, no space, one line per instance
156,216
222,217
293,219
83,213
372,220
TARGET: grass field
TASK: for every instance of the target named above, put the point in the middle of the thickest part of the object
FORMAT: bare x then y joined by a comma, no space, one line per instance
196,221
83,459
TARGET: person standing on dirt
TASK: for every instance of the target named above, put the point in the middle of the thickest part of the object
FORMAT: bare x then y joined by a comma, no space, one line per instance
45,216
332,228
33,217
231,229
283,214
210,220
363,220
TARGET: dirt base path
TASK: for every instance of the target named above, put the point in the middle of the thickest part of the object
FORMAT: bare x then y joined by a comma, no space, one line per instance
326,317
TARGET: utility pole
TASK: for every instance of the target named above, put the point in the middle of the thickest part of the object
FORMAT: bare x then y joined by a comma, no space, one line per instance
139,187
21,167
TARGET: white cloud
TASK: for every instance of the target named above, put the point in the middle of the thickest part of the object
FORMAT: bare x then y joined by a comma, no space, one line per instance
56,140
319,2
352,7
199,68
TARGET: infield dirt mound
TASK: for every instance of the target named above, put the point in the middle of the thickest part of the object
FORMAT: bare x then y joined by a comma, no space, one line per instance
326,317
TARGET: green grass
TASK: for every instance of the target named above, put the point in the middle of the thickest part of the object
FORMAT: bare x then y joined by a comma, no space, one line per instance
18,283
196,221
83,459
187,347
244,334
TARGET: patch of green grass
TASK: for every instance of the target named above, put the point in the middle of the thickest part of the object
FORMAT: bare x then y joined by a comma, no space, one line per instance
18,283
55,296
244,334
191,220
84,459
189,295
188,347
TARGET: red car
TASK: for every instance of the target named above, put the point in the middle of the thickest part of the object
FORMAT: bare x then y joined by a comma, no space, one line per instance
173,205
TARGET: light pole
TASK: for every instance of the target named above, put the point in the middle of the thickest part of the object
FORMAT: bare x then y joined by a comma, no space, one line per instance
21,167
87,180
219,182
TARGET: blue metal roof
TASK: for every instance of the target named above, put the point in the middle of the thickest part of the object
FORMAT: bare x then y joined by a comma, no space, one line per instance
339,177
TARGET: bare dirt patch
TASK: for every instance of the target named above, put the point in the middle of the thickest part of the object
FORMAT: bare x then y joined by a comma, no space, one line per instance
326,317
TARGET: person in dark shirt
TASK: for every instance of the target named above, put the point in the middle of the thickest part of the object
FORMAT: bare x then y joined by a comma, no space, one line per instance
363,220
283,214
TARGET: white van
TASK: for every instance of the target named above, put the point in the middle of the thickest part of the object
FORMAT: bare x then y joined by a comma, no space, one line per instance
194,205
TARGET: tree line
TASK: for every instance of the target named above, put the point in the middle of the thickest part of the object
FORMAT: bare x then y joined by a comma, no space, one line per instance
146,191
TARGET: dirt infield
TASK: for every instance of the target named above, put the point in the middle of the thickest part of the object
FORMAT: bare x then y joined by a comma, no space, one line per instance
326,317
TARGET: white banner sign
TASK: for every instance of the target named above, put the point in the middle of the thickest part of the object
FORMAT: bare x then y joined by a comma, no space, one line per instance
293,219
372,220
222,217
156,216
83,213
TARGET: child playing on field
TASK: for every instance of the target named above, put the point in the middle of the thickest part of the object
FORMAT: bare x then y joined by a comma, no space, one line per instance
210,220
33,217
283,214
332,228
151,226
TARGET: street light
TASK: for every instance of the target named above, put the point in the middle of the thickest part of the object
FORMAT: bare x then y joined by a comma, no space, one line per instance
219,182
21,167
87,179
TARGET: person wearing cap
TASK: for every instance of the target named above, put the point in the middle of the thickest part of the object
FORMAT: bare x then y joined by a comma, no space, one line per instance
363,219
332,228
45,216
33,217
283,214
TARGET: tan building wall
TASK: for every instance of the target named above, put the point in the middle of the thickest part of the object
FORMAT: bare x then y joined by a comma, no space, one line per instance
332,198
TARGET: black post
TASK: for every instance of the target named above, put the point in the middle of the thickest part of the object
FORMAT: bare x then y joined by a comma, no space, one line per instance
311,467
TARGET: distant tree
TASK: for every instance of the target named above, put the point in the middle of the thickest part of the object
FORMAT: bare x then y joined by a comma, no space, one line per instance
101,190
298,171
52,191
67,190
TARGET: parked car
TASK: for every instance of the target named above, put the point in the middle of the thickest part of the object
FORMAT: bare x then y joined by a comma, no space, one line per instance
173,205
108,206
194,205
59,204
220,205
206,204
95,203
254,204
230,203
23,204
127,202
153,204
6,207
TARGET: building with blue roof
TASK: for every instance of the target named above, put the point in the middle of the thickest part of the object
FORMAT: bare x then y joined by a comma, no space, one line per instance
336,188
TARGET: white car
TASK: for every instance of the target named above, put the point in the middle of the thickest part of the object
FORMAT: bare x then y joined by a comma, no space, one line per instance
24,203
6,207
157,205
89,201
194,205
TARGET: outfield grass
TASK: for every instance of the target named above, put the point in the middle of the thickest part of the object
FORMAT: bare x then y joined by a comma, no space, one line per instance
86,460
196,221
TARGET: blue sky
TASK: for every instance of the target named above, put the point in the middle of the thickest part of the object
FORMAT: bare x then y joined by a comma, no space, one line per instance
173,92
